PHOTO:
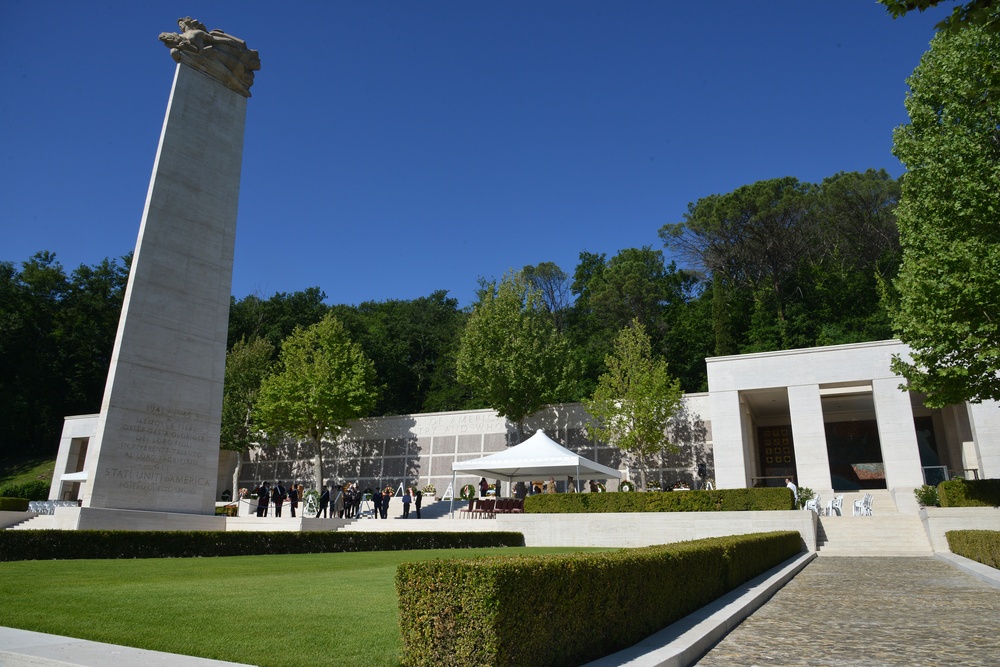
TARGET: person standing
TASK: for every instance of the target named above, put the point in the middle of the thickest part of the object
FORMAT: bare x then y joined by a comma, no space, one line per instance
386,497
418,496
293,499
377,502
278,496
407,498
263,495
795,491
324,502
337,511
484,486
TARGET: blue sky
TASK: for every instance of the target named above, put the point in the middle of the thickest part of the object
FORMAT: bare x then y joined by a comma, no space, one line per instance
397,148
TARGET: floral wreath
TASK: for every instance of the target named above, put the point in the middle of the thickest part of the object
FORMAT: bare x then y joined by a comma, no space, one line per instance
468,492
626,486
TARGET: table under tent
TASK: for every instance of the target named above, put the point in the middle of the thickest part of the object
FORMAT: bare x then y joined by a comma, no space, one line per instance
537,457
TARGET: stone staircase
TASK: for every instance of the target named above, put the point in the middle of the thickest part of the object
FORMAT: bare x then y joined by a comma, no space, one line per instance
886,533
37,522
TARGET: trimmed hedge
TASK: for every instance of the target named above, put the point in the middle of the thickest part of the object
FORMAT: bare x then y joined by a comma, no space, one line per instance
81,544
34,490
14,504
567,610
969,493
982,546
722,500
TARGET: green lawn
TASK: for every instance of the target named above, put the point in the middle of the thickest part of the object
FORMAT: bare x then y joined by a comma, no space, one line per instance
274,611
26,470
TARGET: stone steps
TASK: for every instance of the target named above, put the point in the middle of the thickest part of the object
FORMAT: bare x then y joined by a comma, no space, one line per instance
39,522
890,535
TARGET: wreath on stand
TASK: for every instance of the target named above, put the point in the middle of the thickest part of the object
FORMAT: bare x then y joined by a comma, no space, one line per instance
626,486
468,492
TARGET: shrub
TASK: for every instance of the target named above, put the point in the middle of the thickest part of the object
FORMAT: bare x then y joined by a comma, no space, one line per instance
566,610
927,496
982,546
34,490
969,493
724,500
14,504
84,544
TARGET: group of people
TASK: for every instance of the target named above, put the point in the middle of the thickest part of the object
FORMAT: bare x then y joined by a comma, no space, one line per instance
343,502
340,502
277,495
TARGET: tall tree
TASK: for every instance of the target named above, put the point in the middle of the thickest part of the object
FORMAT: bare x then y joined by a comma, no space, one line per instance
247,364
511,355
323,381
949,297
554,286
756,236
635,399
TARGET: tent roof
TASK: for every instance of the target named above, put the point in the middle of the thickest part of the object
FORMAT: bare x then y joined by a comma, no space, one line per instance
537,457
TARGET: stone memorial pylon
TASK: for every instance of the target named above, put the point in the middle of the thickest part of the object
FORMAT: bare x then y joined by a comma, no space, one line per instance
156,447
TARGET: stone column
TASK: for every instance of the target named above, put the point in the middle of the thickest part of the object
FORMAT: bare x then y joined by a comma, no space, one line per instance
732,458
897,435
812,461
157,441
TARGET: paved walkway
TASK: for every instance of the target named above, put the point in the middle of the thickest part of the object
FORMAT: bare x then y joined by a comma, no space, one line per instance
870,611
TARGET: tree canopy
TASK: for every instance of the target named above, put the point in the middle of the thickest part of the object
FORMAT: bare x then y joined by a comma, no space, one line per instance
511,355
323,381
948,309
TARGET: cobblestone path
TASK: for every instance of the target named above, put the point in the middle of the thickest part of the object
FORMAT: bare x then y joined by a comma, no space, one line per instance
870,611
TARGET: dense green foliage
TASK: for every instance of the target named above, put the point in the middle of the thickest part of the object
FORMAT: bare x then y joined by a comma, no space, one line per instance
791,264
982,546
413,345
969,493
949,221
56,335
74,544
634,399
718,500
566,610
35,490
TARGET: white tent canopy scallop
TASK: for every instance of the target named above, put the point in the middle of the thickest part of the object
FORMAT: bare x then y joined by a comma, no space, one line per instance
537,457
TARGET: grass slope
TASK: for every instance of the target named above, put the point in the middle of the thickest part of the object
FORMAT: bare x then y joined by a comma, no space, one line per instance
273,611
26,470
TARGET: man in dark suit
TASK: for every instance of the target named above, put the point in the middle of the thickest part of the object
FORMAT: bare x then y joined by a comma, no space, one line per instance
418,495
324,502
278,494
293,499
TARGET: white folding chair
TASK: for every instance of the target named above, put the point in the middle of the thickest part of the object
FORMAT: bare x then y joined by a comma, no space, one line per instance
813,504
834,506
863,506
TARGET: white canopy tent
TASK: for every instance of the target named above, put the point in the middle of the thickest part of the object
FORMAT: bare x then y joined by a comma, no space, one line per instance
537,457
